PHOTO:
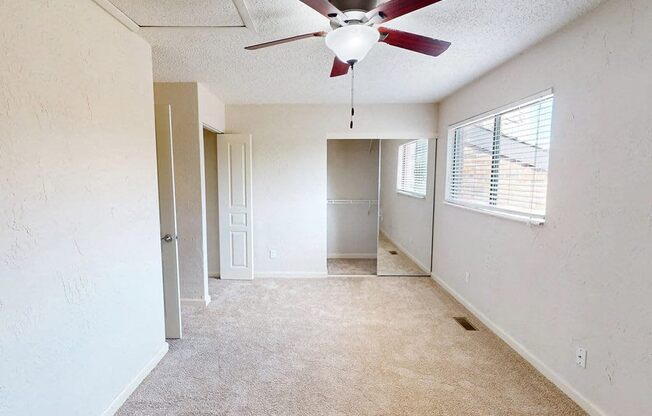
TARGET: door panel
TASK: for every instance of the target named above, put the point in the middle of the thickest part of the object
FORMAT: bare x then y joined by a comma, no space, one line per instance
167,208
234,178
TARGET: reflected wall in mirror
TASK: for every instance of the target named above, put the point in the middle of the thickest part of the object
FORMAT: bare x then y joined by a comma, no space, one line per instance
407,169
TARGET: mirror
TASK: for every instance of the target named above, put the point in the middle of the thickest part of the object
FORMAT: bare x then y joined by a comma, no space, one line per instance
407,175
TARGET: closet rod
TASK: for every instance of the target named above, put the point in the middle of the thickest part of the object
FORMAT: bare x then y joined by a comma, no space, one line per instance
352,202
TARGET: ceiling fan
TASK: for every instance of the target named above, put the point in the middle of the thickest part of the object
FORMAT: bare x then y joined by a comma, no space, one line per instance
356,30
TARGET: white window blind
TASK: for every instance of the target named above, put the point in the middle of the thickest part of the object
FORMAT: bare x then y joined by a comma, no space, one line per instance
413,168
499,162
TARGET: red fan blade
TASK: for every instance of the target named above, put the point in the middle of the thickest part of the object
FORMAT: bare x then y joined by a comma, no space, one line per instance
339,68
416,43
323,7
286,40
396,8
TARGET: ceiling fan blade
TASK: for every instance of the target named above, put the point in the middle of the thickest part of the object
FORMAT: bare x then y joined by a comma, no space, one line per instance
396,8
286,40
413,42
324,7
339,68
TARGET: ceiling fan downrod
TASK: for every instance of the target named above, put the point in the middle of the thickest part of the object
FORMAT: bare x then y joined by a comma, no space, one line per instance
352,94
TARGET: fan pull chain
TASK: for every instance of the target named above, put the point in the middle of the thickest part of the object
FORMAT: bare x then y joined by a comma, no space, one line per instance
352,93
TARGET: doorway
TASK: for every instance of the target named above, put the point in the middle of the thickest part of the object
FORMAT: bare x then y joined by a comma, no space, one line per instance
212,206
227,203
352,198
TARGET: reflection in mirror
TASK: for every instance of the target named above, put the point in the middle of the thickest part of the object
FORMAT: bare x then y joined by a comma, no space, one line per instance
406,207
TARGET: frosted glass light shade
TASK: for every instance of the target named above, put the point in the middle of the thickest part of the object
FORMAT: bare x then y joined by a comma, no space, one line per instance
352,43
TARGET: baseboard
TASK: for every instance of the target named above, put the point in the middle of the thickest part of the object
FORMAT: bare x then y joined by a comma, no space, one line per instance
135,382
290,275
547,372
407,253
196,302
364,256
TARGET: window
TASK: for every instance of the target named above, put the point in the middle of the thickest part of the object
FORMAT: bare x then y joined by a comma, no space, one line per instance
499,162
413,168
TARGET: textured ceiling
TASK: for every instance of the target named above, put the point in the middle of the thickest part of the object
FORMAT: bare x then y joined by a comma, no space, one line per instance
180,13
483,33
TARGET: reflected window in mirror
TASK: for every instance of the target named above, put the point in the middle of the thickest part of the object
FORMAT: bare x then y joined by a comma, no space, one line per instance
412,169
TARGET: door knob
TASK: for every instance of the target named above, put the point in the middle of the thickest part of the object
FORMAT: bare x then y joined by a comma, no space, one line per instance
168,238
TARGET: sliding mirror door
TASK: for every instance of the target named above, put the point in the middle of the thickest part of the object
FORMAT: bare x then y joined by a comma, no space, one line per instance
407,183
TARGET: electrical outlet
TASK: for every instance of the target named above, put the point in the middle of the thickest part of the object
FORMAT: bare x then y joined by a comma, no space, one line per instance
580,357
272,254
467,277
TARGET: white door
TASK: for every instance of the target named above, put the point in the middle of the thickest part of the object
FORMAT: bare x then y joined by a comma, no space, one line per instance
168,214
234,189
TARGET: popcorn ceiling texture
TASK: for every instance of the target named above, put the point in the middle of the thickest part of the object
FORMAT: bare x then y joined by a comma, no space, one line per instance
484,34
180,13
340,346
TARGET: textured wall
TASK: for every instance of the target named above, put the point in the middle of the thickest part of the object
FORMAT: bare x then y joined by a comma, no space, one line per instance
352,167
583,278
406,220
81,302
289,172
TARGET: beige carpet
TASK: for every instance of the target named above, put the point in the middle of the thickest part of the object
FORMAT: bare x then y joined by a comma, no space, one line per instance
351,267
339,346
395,264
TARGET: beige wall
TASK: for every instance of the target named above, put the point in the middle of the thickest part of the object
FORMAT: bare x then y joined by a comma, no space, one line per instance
583,278
211,109
193,107
289,172
81,302
212,206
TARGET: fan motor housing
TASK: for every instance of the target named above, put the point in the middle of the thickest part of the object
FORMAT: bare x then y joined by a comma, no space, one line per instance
346,5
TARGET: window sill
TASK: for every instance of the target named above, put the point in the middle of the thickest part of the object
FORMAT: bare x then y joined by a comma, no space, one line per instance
410,194
499,214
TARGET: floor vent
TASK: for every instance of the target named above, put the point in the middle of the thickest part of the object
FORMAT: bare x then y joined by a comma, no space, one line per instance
393,252
465,324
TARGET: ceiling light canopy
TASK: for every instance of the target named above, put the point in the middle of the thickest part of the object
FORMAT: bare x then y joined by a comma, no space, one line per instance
352,43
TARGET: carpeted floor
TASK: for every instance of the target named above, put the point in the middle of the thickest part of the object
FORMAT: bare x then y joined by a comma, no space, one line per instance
351,267
395,264
339,346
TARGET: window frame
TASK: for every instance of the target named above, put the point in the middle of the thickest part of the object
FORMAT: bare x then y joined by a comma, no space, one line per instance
453,142
399,170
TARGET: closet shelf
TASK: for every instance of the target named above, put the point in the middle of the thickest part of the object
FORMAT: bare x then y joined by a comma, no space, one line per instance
352,202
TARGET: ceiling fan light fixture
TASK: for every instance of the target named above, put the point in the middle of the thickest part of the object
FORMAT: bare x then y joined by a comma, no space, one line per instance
352,43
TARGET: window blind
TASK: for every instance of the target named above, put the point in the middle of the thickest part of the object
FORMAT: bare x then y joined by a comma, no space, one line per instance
413,167
499,162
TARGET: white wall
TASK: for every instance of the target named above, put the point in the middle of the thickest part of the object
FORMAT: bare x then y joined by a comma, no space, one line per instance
407,220
583,278
289,172
81,301
352,169
193,107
